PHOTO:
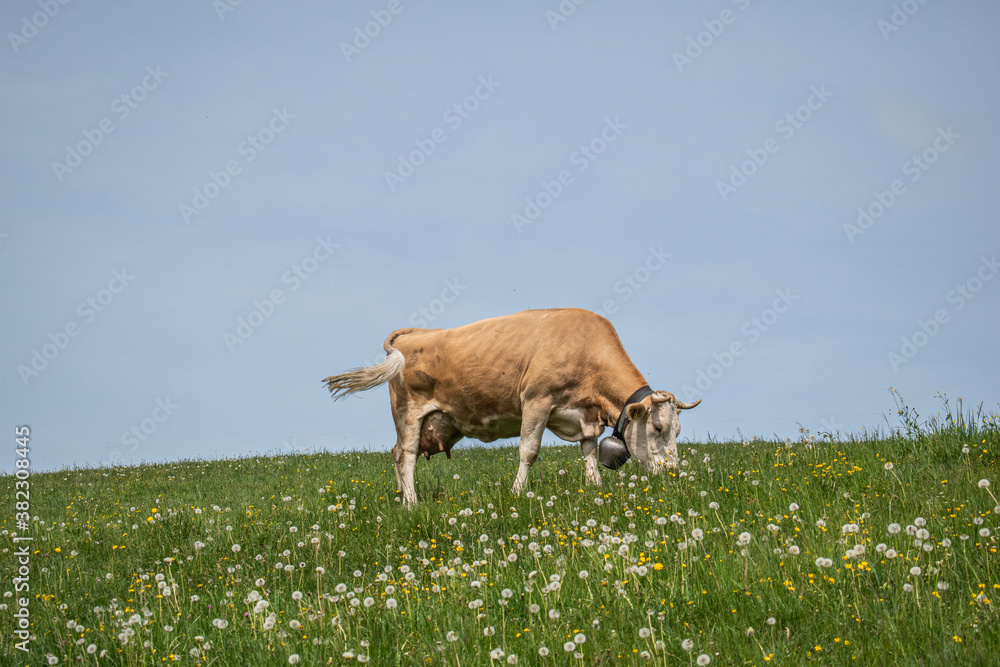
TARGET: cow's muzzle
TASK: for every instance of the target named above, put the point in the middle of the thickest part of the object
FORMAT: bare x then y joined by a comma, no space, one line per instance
612,453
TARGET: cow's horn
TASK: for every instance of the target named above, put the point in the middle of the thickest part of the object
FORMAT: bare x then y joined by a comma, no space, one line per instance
687,406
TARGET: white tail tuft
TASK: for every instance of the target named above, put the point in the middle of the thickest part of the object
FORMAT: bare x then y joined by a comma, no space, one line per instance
363,379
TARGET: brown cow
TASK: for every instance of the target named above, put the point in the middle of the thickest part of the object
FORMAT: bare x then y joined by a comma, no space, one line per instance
561,369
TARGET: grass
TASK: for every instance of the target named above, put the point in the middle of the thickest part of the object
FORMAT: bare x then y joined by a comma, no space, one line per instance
262,561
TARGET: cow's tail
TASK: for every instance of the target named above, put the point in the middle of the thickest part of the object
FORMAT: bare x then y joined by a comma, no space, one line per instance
362,379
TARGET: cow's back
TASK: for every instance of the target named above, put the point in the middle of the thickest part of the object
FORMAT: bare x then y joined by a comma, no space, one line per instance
494,365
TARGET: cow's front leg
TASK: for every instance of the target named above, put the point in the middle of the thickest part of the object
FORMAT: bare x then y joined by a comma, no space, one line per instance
533,421
404,455
591,472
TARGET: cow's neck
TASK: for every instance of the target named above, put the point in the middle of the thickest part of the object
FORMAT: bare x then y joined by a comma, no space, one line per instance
617,389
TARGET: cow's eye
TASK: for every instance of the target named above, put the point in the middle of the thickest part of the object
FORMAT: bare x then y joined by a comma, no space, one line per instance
658,429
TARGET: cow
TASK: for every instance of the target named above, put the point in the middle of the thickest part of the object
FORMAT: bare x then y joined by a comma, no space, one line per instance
562,369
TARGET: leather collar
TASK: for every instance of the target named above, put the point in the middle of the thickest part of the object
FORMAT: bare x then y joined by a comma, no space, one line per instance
640,393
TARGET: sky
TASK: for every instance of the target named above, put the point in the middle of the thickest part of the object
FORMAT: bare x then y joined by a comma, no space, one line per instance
785,209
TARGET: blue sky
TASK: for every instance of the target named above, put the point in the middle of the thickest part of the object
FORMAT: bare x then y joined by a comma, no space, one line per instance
784,208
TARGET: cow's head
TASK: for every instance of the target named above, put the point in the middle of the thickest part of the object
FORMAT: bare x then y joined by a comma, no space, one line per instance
651,434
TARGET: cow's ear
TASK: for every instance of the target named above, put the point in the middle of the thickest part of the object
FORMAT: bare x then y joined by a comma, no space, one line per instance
636,411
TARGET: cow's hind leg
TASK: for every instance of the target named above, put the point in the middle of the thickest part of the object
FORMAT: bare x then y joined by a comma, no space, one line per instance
533,421
404,455
591,472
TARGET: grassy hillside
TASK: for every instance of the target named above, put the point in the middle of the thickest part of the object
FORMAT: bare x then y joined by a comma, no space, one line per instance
751,553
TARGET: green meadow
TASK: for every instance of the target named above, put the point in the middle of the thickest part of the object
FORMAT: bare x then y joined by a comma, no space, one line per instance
878,548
